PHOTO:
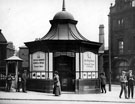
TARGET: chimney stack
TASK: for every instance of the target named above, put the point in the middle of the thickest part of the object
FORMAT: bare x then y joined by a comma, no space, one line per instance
101,49
101,38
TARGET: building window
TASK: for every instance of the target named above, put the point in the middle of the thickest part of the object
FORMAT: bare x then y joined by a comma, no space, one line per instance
133,43
121,46
133,20
133,3
120,22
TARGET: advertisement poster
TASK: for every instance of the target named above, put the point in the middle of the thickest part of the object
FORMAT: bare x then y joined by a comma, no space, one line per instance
89,61
38,61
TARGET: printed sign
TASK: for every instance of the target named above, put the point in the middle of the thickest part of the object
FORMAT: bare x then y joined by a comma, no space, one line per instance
89,75
64,82
43,75
34,75
38,75
84,75
89,61
38,61
93,75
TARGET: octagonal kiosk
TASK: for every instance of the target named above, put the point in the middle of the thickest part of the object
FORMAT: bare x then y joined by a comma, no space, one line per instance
13,67
65,50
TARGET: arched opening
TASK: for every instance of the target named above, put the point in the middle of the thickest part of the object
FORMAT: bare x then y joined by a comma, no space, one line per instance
65,66
120,65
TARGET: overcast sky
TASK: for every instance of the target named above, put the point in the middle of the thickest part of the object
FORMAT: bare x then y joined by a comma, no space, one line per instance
24,20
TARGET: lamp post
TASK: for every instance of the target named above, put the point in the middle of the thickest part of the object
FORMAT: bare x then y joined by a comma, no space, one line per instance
109,42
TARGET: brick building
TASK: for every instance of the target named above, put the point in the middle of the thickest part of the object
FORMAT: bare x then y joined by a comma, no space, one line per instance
23,54
122,37
7,49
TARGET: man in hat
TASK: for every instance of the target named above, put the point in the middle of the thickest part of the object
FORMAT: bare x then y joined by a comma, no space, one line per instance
130,84
24,79
9,82
103,82
19,82
123,81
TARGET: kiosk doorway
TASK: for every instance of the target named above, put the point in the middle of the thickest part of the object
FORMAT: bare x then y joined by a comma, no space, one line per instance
65,65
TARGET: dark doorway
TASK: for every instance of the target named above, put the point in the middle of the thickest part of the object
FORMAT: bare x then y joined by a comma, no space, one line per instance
65,65
11,68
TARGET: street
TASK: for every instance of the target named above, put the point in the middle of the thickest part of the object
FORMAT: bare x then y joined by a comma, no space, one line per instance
58,102
32,97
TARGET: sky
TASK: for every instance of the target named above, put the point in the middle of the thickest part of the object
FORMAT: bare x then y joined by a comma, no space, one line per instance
25,20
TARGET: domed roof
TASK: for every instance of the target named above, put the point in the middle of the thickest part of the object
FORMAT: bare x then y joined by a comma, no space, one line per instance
63,15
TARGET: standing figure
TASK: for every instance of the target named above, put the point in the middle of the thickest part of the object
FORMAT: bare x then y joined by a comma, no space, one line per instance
103,82
19,82
9,82
130,84
57,87
24,79
123,80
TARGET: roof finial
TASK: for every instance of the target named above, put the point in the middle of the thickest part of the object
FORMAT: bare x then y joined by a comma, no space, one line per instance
63,6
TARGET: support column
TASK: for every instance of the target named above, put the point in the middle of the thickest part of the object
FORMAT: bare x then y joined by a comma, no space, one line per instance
79,65
6,71
16,78
48,65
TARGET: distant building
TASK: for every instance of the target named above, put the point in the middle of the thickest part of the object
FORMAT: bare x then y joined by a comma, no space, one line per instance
24,55
7,49
122,37
3,54
10,49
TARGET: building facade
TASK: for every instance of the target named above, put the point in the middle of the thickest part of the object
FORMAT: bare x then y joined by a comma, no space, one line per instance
10,49
6,50
3,51
65,50
24,55
122,37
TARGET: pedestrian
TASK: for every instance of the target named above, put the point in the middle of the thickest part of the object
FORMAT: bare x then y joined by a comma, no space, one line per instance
123,81
103,82
57,86
130,78
19,82
9,82
24,79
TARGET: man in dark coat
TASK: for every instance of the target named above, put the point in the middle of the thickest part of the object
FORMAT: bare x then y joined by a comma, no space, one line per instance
9,82
130,79
24,79
103,82
19,82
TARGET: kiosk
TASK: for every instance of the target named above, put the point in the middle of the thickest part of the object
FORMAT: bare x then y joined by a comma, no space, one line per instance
65,50
13,67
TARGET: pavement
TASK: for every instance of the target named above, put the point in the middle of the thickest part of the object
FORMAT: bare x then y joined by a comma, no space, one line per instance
110,97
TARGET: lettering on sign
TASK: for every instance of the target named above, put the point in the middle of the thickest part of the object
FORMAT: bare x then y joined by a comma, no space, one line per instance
38,61
89,61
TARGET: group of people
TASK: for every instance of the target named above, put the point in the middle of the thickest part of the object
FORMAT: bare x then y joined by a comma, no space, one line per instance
127,84
126,79
21,82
